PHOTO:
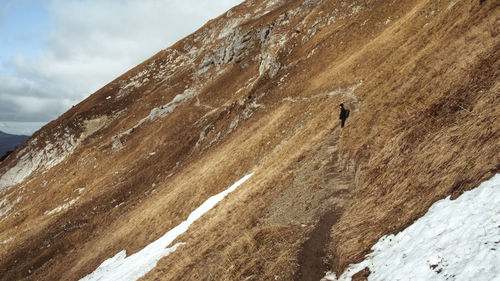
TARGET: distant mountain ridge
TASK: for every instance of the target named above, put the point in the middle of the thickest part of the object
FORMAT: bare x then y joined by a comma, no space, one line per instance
9,142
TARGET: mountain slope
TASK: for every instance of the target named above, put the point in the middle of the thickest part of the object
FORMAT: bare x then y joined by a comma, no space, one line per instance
257,90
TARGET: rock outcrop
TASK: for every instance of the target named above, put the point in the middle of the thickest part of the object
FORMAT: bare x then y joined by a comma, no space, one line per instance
257,90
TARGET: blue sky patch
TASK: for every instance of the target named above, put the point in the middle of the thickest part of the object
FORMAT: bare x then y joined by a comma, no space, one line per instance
24,29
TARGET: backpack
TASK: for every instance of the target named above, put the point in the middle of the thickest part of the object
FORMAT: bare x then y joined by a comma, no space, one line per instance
346,113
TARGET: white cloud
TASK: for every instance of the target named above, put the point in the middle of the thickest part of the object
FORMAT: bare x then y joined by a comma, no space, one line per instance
20,128
92,42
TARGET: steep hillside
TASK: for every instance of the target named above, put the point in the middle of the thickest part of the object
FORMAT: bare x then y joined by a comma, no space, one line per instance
257,90
9,142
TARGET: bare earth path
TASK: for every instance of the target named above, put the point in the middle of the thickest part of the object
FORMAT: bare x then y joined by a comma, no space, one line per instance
312,263
322,187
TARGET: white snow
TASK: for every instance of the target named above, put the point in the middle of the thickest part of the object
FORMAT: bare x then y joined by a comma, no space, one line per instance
455,240
137,265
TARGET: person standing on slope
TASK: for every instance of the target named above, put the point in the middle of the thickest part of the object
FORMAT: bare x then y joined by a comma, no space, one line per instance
344,113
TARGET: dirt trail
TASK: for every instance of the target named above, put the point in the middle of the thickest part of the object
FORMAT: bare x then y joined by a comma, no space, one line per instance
323,181
312,263
338,180
323,185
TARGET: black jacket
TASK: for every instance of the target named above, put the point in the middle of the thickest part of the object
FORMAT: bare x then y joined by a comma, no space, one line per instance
343,113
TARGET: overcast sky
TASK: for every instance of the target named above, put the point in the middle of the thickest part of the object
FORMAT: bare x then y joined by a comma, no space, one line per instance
55,53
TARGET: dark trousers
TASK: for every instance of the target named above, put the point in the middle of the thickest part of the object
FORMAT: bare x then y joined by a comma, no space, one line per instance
342,123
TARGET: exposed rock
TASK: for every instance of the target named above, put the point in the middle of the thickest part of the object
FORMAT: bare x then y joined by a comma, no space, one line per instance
258,90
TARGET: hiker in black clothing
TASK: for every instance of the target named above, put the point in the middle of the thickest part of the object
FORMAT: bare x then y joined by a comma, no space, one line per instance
344,113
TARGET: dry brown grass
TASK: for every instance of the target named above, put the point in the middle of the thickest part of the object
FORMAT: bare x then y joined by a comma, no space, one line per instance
424,126
263,253
435,138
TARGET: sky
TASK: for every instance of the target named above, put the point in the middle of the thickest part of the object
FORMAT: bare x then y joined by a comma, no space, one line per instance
55,53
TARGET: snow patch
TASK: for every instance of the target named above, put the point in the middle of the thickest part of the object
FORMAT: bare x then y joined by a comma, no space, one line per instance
456,240
121,267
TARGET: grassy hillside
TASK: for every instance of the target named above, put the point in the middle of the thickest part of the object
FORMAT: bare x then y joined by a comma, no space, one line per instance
257,90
